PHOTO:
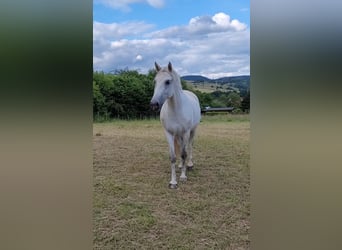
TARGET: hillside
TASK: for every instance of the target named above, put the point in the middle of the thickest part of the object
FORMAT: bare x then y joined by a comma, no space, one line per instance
195,78
239,84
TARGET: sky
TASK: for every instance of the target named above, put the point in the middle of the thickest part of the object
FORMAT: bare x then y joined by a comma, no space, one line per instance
199,37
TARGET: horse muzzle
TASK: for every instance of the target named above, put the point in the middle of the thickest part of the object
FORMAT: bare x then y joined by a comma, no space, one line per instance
155,106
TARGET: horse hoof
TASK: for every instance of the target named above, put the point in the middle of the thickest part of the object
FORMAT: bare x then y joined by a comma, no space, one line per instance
173,186
183,179
189,168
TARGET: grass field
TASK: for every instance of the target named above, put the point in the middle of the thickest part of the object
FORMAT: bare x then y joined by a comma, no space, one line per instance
135,209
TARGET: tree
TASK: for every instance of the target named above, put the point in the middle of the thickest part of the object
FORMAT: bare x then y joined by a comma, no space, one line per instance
233,100
205,99
99,107
125,94
245,104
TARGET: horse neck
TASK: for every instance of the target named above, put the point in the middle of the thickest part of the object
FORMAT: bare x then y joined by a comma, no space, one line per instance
176,99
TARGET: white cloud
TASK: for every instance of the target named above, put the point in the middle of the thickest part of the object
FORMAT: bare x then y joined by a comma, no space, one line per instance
210,46
156,3
119,30
201,26
221,19
110,38
138,58
124,4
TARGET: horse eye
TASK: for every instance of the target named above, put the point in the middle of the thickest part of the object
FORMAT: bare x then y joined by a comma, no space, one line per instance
167,82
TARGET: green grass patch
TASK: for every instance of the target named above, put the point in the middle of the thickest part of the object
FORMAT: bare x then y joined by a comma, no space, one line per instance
209,117
138,215
225,117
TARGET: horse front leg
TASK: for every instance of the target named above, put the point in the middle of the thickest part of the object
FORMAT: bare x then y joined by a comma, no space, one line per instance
170,140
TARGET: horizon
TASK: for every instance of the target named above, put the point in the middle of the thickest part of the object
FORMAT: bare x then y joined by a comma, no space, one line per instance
145,73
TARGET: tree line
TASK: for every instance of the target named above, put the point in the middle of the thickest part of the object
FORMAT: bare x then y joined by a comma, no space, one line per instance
126,94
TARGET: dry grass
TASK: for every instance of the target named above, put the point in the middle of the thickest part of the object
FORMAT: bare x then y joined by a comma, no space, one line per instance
135,209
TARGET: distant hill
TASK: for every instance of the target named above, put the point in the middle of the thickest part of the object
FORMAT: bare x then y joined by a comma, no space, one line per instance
196,78
233,79
227,79
242,83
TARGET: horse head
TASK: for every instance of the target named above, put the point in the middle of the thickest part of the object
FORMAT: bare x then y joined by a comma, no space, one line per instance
166,83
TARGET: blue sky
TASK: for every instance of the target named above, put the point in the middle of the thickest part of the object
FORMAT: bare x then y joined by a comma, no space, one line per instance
207,37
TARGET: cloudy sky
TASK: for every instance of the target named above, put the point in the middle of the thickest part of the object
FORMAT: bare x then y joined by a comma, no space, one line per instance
205,37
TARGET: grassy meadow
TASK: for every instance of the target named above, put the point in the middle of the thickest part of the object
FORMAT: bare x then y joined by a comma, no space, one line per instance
133,208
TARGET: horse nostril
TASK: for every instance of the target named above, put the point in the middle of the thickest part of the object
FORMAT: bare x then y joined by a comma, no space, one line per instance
154,105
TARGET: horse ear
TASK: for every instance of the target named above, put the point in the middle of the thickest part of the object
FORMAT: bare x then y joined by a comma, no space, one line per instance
157,66
169,66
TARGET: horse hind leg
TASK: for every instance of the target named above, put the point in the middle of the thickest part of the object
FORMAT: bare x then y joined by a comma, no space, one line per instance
177,146
183,173
184,155
190,164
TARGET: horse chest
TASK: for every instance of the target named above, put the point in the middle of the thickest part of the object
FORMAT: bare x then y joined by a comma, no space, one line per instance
176,121
175,126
